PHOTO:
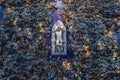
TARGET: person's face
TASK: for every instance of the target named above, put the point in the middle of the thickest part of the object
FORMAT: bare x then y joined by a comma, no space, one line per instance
59,28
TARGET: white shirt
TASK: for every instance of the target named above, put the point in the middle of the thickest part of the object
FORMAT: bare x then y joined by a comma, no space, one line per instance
59,37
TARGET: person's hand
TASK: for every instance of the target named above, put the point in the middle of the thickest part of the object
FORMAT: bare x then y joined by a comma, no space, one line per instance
54,31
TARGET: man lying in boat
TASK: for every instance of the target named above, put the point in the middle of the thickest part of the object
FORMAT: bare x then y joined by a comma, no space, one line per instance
58,38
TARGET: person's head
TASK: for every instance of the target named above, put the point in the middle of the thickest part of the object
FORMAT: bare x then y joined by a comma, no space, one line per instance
59,28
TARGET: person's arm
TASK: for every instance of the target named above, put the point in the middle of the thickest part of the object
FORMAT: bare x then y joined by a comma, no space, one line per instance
62,29
54,31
